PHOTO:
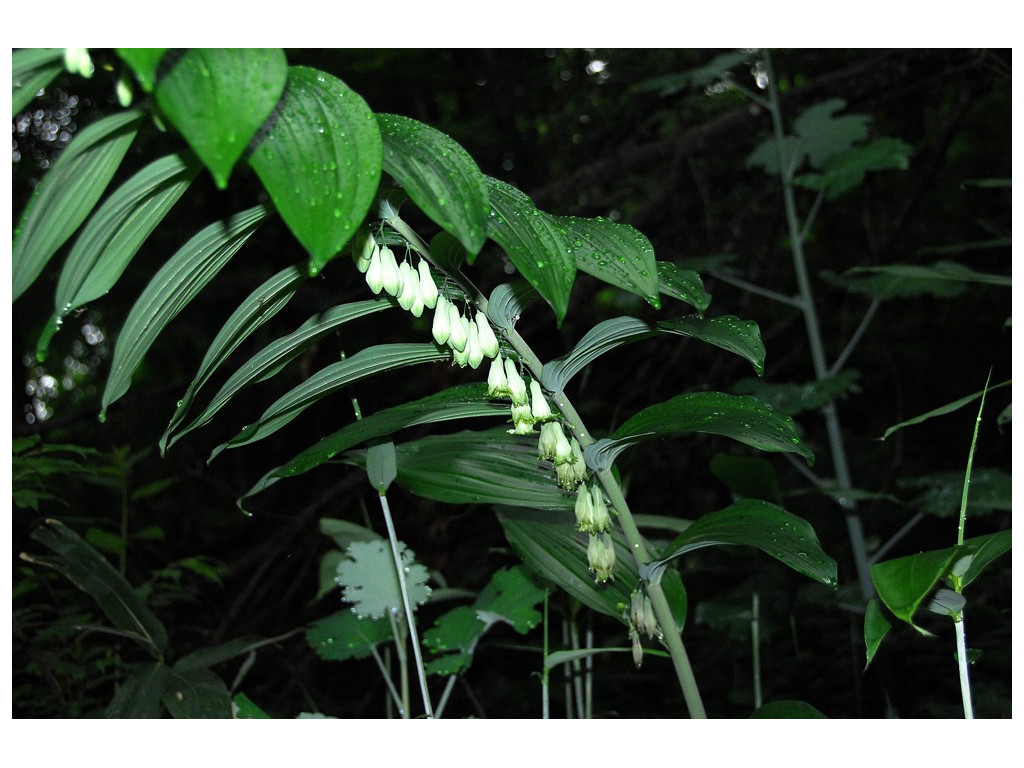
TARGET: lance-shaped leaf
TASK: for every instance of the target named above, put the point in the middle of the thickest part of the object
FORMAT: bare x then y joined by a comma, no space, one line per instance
876,627
490,467
683,284
942,410
363,364
280,352
219,97
535,243
381,466
549,543
67,193
196,694
319,157
904,583
727,332
114,234
745,419
205,658
32,69
755,523
616,253
143,62
171,289
261,305
88,571
140,694
461,402
439,176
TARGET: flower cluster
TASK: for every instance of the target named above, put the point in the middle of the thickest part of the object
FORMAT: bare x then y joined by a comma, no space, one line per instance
641,619
592,516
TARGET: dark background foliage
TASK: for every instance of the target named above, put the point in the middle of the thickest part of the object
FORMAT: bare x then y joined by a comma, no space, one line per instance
576,130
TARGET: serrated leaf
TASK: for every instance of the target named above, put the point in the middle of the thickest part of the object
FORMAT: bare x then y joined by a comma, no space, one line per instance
343,636
534,241
745,419
261,305
143,62
197,694
91,573
67,193
177,282
32,69
460,402
439,176
513,596
114,234
845,170
683,284
363,364
824,135
754,523
616,253
218,98
370,582
280,352
319,158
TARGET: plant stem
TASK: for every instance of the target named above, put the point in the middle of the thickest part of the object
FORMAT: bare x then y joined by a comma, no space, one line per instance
755,645
837,448
410,619
961,657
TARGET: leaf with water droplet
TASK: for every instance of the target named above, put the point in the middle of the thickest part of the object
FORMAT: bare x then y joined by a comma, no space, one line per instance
370,582
616,253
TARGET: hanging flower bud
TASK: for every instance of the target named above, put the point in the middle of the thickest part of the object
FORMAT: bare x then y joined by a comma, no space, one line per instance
442,328
410,286
391,276
578,464
584,511
461,358
417,304
566,476
497,382
460,336
602,519
363,249
476,354
488,341
522,420
563,451
375,272
541,409
516,385
638,648
641,614
601,557
428,289
548,440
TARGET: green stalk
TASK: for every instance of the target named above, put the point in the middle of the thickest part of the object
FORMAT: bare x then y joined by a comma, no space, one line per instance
837,447
662,611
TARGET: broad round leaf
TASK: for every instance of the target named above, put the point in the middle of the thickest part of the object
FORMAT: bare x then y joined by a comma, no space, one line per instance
319,157
219,97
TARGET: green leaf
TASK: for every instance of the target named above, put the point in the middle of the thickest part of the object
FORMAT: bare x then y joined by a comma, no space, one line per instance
683,284
143,62
343,636
439,176
534,241
876,627
460,402
92,574
940,493
846,170
365,363
727,332
940,270
67,193
511,596
750,477
942,410
745,419
32,69
823,135
370,582
380,465
507,302
490,467
902,584
114,234
139,695
245,709
344,532
787,710
319,158
447,252
750,522
177,282
279,353
197,694
558,658
219,97
616,253
208,657
791,398
984,549
261,305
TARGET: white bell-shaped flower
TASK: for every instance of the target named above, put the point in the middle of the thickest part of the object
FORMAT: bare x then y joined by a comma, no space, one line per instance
375,272
541,410
362,250
460,334
391,275
410,286
428,288
441,328
497,382
488,341
476,354
516,385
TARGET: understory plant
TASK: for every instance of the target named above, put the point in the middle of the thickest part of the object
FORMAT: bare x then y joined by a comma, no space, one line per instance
396,217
